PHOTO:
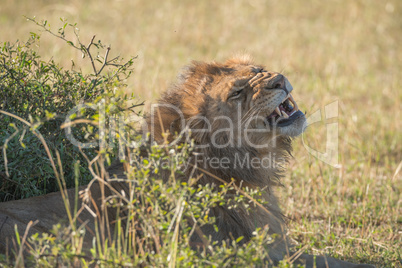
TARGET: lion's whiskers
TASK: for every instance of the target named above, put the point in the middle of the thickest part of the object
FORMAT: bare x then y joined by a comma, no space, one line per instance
250,114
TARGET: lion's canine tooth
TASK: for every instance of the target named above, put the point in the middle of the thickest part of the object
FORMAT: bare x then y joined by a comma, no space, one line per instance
295,107
287,97
277,111
285,115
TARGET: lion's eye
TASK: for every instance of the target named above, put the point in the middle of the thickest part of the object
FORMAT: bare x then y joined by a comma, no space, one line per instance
235,93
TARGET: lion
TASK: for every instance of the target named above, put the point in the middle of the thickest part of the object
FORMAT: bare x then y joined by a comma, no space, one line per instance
242,119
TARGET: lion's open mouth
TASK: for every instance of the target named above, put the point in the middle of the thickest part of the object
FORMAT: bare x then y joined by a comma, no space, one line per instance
285,113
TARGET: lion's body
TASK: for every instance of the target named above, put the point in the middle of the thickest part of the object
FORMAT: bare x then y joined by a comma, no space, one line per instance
217,106
46,210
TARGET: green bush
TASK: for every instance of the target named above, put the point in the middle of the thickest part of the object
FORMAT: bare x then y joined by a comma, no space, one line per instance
42,93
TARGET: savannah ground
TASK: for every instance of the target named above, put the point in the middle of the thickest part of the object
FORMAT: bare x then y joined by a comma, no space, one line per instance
345,51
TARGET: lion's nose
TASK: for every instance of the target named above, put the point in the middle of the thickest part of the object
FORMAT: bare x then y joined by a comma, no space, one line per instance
278,81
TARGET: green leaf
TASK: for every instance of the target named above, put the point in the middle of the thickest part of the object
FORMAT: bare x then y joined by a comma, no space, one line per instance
239,239
73,116
17,235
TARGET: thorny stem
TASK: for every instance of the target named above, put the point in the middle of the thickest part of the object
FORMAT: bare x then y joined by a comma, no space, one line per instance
86,50
105,62
52,33
89,54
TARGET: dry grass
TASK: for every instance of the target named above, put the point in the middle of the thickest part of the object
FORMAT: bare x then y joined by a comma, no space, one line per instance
330,50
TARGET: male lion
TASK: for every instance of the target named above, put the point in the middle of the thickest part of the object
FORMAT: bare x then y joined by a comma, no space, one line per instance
242,119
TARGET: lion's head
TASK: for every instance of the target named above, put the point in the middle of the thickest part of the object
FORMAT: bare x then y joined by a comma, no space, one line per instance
241,117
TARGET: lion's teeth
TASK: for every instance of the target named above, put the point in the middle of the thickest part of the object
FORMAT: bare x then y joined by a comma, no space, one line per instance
285,115
295,107
277,111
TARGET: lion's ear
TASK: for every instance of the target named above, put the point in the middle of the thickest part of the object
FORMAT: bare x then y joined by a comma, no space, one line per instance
240,59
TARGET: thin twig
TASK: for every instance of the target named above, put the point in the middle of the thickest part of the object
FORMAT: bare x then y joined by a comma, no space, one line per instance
136,105
5,151
104,60
89,54
79,121
56,35
20,259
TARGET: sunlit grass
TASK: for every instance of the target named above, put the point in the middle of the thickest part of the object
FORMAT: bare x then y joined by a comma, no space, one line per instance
330,50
